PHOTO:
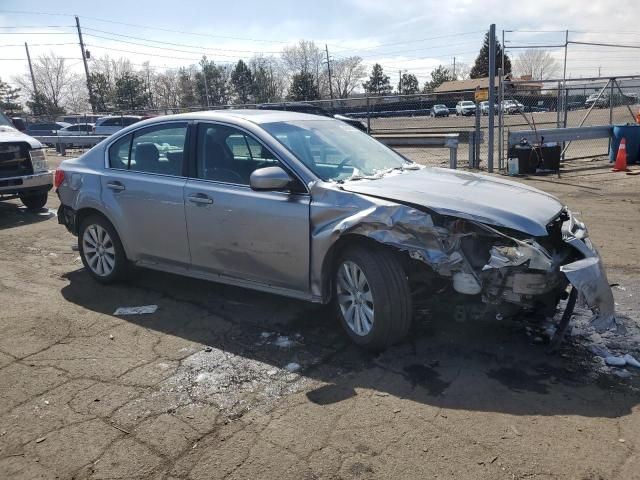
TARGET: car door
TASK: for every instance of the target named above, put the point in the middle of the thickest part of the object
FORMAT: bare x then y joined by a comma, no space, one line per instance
249,235
143,189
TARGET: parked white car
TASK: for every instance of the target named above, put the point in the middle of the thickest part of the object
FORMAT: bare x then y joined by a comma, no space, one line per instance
484,108
465,107
111,125
77,129
512,106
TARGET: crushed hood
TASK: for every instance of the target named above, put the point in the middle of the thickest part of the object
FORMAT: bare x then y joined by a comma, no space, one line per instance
9,134
471,196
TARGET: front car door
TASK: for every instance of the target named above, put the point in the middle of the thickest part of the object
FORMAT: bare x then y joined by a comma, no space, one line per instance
143,190
239,233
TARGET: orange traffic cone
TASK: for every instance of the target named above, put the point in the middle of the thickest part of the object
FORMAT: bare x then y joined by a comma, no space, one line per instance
621,157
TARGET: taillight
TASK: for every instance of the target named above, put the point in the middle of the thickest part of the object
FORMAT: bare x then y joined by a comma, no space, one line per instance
58,178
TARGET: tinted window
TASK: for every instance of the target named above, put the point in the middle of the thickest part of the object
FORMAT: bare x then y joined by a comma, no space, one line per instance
111,122
159,149
119,153
226,154
129,121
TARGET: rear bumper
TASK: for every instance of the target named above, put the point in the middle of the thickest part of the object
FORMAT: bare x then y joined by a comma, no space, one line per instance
67,217
37,183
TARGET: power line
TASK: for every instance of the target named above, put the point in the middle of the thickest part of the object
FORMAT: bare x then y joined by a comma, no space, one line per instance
38,44
149,54
404,42
202,51
36,26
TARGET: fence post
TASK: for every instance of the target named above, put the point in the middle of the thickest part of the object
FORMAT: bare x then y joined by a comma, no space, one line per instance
472,147
476,143
500,120
492,94
368,117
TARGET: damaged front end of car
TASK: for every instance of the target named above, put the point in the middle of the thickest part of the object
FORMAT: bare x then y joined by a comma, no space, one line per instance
508,270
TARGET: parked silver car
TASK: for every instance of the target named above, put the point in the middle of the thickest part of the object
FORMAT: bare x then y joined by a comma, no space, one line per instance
315,209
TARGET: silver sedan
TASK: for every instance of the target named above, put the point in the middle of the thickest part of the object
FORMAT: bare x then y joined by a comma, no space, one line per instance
312,208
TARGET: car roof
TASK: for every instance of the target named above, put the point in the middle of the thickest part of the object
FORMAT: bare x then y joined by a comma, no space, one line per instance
251,115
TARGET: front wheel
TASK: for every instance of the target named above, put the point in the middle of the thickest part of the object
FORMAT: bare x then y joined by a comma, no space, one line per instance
372,297
101,250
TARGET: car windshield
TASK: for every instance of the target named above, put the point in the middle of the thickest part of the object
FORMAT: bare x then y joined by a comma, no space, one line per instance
335,151
439,107
4,121
467,104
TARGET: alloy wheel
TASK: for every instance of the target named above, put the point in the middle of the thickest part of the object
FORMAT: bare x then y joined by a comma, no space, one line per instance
98,250
354,298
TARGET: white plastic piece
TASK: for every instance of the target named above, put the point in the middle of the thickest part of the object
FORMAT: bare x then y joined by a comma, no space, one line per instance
615,361
466,283
631,361
142,310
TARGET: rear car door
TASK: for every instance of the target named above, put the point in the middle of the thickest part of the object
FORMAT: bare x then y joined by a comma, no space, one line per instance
143,189
235,231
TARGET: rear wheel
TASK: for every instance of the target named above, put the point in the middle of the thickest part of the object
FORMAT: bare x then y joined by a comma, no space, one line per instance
35,201
101,250
372,297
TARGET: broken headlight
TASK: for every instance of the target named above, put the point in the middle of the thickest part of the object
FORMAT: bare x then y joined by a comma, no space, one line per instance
38,161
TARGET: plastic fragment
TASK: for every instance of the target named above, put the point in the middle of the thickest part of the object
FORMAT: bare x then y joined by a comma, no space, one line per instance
142,310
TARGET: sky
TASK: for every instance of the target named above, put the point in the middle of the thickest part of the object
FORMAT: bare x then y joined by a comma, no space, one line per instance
410,35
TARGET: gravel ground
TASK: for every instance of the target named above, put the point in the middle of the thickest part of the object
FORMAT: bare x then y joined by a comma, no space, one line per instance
222,382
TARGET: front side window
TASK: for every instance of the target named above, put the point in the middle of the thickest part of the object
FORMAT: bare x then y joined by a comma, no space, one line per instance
226,154
158,149
335,151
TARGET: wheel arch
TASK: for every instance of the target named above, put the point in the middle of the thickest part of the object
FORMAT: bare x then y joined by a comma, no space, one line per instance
85,212
329,263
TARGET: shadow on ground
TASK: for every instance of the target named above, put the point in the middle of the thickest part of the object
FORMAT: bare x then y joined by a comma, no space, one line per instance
15,215
479,364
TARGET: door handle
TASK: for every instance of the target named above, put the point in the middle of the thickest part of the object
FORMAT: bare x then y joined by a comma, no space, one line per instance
200,198
115,186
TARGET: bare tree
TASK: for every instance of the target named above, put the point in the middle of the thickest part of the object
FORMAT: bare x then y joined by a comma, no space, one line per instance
537,64
270,80
307,57
462,71
347,73
58,87
166,88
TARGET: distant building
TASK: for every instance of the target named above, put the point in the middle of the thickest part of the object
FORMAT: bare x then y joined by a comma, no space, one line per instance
523,86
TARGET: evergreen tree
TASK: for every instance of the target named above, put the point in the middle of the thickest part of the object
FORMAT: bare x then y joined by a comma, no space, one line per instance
408,84
304,87
40,105
102,92
378,83
9,99
438,77
130,92
481,67
242,81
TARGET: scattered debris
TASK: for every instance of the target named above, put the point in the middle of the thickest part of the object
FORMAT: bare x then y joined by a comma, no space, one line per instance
396,410
120,428
145,309
46,402
621,361
621,440
381,394
292,367
111,337
41,439
208,349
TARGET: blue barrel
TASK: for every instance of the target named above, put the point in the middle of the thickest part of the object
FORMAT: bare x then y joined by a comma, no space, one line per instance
631,133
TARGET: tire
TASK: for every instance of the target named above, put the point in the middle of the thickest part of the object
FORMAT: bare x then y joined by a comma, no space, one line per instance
111,263
36,202
383,309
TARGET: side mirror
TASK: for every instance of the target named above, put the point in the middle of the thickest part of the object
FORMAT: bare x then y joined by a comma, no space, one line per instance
269,179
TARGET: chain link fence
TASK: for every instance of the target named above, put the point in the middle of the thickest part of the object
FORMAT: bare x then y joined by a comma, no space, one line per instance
520,106
574,103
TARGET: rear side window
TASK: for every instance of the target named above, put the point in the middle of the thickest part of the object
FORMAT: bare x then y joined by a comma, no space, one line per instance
119,153
129,121
159,149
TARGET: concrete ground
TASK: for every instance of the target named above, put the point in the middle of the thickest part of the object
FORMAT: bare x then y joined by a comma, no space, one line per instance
223,382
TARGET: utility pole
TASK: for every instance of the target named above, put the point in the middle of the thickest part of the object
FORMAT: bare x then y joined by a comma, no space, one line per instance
399,82
33,78
454,69
86,67
326,49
